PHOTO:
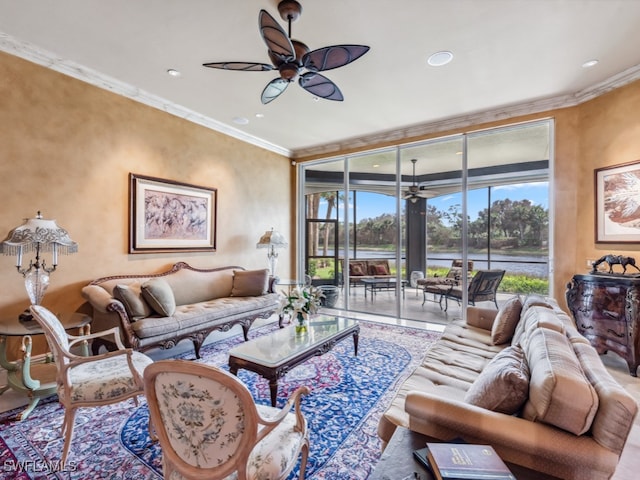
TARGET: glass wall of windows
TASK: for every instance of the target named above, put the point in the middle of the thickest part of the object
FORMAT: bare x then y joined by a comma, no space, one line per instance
481,197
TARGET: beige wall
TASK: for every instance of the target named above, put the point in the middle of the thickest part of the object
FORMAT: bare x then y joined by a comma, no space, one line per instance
66,148
609,135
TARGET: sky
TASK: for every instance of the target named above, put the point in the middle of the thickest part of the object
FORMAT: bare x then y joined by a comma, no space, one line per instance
371,205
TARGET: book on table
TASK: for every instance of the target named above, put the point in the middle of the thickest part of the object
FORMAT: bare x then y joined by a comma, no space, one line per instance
463,461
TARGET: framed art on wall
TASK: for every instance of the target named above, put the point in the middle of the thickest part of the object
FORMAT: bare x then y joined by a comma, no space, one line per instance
618,203
168,216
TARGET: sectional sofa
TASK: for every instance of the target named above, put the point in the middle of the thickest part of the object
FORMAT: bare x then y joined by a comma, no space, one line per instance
160,310
523,380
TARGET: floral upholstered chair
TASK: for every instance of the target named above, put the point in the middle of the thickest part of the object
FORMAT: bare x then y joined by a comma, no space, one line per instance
89,381
209,426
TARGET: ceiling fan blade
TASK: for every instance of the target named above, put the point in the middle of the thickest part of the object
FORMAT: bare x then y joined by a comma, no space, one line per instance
320,86
273,90
243,66
334,56
275,37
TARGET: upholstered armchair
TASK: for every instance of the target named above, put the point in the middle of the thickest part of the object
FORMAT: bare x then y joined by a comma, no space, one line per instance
89,381
209,427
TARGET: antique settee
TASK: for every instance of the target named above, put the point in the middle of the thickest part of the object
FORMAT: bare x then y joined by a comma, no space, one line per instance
160,310
523,380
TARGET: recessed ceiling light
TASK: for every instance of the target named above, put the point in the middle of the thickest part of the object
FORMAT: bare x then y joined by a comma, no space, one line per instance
173,72
259,115
240,120
590,63
439,59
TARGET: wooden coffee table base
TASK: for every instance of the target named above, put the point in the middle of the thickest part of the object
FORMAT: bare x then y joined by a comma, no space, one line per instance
275,372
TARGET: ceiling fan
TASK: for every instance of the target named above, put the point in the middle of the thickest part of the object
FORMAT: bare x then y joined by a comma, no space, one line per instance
414,192
291,57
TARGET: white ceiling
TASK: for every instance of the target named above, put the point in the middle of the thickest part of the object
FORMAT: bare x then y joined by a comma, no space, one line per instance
509,56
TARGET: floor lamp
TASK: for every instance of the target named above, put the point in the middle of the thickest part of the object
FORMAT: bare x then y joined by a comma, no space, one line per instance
37,235
272,240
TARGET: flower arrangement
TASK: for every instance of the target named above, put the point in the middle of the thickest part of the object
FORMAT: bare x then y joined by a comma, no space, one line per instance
300,302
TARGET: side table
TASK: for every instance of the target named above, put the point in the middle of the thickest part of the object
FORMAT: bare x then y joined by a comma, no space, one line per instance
398,463
397,460
36,379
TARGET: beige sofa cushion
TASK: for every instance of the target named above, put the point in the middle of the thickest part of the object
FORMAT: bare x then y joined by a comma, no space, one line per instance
249,283
559,393
506,321
158,294
503,385
131,297
536,317
617,408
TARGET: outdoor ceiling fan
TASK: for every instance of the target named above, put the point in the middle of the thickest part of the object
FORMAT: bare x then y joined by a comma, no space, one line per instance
291,58
414,192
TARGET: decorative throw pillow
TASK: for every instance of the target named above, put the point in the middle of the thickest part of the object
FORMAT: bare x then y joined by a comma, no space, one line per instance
506,321
157,292
356,270
380,269
503,385
131,297
249,283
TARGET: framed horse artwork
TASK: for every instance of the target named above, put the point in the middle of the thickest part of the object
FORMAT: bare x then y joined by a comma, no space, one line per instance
168,216
617,206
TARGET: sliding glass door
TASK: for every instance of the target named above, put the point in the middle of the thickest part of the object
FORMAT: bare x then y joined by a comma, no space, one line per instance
480,197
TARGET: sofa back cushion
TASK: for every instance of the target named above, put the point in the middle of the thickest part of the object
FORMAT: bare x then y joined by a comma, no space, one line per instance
250,283
191,286
506,321
536,317
559,392
617,407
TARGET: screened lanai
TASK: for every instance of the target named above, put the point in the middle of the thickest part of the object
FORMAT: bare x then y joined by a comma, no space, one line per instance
482,196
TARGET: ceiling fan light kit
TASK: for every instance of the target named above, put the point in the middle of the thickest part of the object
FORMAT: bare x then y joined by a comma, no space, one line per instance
293,59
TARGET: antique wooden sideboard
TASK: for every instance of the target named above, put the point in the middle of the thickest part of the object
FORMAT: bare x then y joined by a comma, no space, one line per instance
606,309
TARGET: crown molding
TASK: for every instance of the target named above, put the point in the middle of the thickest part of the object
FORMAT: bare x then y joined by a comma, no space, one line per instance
464,121
47,59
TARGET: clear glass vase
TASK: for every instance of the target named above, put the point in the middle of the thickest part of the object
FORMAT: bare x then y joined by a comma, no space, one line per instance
301,325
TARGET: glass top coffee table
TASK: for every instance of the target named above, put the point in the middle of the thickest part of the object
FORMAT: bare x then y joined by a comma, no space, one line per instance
276,353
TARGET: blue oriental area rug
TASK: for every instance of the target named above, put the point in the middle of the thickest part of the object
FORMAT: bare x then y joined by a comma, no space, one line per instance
348,396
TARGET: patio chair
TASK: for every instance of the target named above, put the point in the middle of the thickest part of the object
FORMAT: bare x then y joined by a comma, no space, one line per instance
89,381
453,277
482,287
209,427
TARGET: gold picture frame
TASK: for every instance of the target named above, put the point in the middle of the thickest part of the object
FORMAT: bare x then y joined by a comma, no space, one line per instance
169,216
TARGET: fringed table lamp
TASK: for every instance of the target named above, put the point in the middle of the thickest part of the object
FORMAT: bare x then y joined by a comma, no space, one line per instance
37,235
272,240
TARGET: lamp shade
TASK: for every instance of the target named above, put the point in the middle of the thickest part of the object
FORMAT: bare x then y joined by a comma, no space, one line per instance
271,238
38,234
